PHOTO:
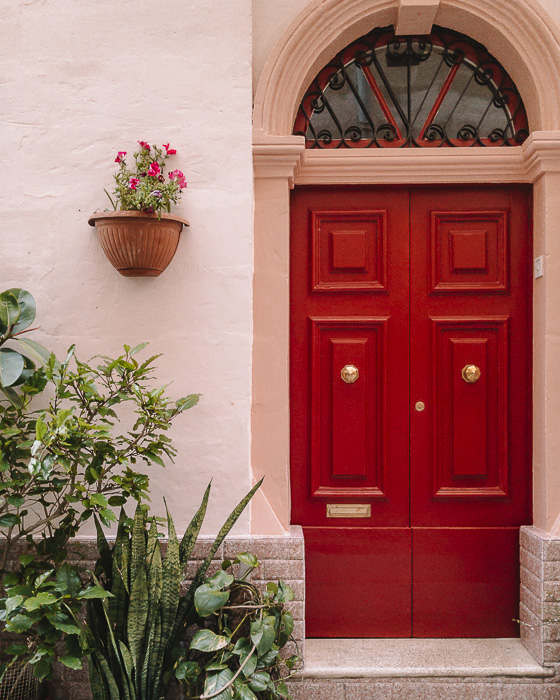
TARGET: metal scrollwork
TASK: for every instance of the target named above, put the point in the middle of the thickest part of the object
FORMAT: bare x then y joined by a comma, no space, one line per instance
374,94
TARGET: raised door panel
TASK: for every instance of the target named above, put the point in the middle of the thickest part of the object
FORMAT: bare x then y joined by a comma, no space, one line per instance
349,251
469,251
469,428
348,408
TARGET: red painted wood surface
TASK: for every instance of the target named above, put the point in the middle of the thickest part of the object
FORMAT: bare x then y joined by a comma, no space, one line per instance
363,572
465,582
410,285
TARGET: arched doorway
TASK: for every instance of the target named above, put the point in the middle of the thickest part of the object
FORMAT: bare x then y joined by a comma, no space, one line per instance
410,357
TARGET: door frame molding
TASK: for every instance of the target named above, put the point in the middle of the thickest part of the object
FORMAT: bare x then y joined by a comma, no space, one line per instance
526,41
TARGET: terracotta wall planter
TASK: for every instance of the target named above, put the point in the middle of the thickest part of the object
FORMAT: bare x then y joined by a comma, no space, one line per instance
137,243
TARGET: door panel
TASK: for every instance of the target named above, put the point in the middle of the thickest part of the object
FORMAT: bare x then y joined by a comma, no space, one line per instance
406,298
358,580
469,420
348,426
464,582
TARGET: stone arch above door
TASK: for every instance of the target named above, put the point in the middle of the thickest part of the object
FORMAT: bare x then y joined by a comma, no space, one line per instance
521,36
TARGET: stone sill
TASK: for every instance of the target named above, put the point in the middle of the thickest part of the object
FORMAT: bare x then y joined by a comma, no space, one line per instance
420,658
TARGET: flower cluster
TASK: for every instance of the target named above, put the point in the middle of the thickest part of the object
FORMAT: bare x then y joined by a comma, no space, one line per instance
144,187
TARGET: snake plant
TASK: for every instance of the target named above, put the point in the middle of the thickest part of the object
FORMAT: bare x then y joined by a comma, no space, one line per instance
135,634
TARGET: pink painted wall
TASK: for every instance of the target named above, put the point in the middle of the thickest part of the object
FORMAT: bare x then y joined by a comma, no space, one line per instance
80,81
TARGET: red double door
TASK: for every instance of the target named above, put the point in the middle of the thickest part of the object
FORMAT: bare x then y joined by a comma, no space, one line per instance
411,407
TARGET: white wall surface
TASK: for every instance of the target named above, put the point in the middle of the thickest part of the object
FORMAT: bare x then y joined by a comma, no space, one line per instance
81,80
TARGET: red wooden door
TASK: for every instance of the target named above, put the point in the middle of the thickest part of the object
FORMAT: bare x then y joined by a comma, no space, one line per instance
410,517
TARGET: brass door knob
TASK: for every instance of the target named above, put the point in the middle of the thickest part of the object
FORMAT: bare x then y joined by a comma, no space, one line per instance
471,373
349,374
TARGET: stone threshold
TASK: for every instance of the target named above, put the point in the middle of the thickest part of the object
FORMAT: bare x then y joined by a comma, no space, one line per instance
420,658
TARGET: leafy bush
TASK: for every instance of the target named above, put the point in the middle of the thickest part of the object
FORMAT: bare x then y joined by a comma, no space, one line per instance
61,463
18,357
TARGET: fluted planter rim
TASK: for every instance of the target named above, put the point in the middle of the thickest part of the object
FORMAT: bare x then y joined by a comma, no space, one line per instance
134,214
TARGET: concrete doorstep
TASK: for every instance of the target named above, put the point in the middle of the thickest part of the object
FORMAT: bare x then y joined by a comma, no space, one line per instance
422,669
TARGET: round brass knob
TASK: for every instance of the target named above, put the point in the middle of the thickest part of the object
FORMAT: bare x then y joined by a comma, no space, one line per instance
471,373
349,374
419,405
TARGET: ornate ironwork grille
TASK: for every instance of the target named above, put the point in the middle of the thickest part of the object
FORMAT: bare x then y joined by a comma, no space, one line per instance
388,91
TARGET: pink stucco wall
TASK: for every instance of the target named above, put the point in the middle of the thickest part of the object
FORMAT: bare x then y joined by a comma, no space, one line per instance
80,81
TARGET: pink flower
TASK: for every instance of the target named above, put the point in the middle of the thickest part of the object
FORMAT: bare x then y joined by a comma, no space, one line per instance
148,209
145,145
133,183
120,156
169,151
154,169
178,175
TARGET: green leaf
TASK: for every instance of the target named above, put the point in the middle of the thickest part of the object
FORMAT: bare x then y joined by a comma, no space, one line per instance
137,349
19,623
42,668
285,593
263,634
221,579
35,350
39,601
288,623
94,592
243,692
9,309
12,365
9,519
16,649
247,558
17,501
13,602
71,661
27,309
216,681
259,682
282,689
98,499
63,623
13,397
206,640
187,402
68,581
207,600
251,665
187,671
191,533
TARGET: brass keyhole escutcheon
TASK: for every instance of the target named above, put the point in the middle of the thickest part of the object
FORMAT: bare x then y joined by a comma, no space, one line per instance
349,374
419,405
471,373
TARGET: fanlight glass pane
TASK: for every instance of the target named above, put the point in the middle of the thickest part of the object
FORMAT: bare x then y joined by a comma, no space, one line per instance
387,91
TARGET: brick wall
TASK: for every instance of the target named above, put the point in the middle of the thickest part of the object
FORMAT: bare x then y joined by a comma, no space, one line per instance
540,594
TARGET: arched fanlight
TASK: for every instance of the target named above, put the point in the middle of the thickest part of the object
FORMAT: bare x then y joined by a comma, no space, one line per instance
393,91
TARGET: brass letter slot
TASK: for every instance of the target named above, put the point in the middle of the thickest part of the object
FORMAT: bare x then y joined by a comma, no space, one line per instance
348,510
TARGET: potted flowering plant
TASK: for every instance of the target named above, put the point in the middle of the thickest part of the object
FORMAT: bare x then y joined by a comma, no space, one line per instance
140,236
